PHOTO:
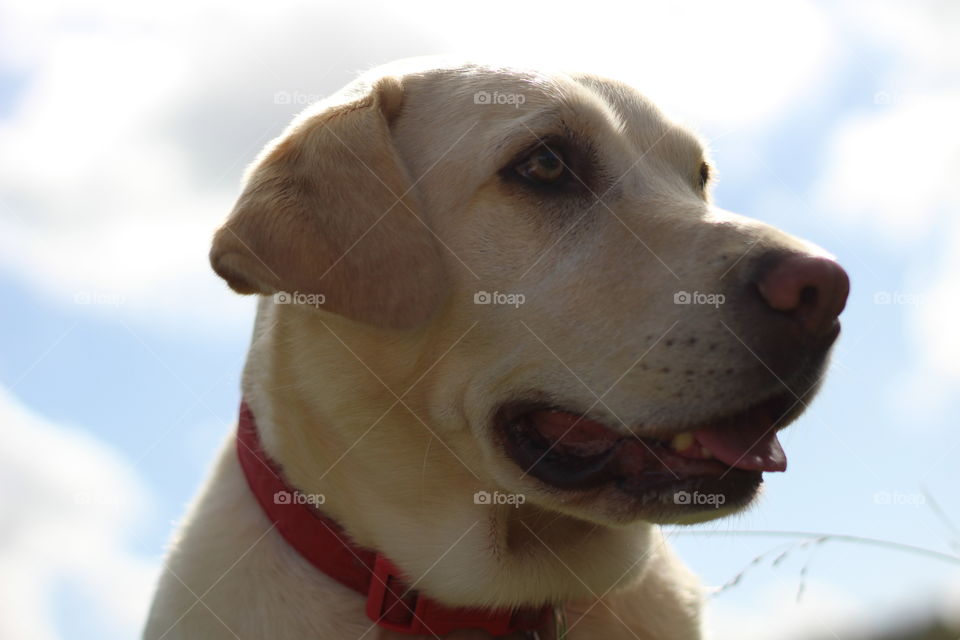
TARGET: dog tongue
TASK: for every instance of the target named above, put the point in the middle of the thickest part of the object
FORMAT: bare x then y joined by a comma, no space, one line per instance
752,446
573,434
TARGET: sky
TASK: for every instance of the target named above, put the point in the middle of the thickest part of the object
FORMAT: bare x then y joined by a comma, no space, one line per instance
124,132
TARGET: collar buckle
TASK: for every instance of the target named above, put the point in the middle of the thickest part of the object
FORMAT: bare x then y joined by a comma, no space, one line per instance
391,603
395,606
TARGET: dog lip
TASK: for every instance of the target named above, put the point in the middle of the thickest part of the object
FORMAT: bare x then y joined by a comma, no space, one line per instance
665,498
784,403
657,493
605,455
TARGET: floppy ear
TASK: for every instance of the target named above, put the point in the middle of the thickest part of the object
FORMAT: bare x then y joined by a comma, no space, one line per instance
327,211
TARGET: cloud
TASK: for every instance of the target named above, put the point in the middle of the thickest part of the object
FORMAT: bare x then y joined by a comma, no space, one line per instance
890,174
893,170
69,504
698,60
824,611
932,324
124,148
890,168
921,34
95,198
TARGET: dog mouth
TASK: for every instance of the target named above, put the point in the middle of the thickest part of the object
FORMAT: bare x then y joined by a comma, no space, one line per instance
724,456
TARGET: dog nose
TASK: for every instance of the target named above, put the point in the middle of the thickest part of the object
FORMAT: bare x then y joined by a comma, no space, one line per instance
811,289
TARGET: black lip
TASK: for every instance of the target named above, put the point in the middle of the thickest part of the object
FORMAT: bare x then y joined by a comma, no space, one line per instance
665,497
655,491
535,456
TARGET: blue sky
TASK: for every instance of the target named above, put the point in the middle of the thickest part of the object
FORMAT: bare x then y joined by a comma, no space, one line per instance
124,136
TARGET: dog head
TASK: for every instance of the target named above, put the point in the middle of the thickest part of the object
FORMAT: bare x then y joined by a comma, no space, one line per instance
542,251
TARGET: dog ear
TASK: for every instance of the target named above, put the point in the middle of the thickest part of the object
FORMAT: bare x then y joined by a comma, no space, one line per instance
328,210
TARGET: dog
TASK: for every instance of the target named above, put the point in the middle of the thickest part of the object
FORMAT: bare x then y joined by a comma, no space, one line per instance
503,333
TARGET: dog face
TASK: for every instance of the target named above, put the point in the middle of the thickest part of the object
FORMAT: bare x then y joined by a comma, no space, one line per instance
542,250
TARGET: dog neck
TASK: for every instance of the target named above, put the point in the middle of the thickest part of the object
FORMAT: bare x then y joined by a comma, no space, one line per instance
402,478
324,544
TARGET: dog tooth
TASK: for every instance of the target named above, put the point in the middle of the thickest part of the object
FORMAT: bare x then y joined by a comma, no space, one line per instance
682,441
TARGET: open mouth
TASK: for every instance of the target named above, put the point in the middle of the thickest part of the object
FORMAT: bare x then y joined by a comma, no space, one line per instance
725,456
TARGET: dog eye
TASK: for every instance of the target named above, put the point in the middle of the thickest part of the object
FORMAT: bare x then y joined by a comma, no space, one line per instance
704,175
543,166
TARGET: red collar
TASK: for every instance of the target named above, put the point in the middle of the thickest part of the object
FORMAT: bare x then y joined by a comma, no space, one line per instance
325,545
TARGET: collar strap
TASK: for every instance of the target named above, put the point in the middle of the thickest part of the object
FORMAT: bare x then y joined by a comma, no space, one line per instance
324,544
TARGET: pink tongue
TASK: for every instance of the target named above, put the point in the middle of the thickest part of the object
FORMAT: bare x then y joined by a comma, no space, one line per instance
574,433
753,447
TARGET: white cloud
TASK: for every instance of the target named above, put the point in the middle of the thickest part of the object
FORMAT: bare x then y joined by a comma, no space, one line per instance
932,321
126,147
894,170
95,196
890,174
68,505
921,33
823,612
891,168
705,61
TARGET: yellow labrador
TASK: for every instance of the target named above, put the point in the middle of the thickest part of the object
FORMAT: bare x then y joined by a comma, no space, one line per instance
503,333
